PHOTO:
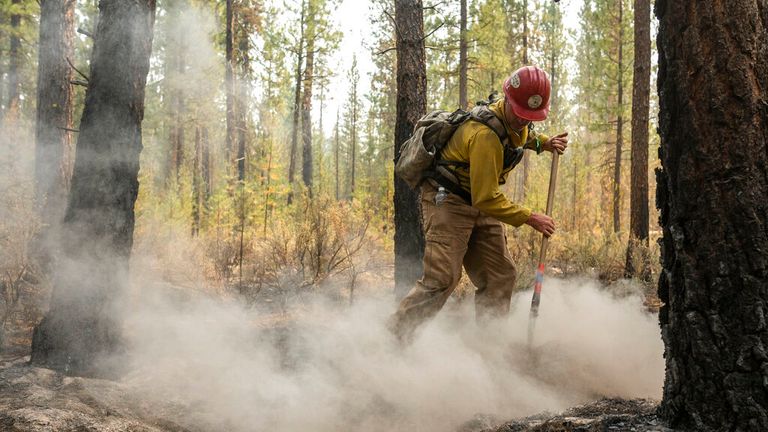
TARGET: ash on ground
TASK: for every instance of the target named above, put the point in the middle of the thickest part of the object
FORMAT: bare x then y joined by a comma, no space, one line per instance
604,415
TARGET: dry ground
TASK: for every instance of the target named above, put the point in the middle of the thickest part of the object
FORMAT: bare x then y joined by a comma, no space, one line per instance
36,400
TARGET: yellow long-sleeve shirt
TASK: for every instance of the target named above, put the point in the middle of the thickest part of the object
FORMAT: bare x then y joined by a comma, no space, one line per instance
477,144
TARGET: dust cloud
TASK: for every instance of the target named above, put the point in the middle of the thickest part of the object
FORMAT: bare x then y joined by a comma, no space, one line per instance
332,368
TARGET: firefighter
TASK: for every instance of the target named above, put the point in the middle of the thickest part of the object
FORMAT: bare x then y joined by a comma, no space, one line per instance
466,227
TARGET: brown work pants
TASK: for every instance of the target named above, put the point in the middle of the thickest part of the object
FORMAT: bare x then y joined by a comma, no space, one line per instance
457,233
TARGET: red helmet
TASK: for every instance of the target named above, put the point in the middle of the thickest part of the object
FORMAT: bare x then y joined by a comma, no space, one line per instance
527,90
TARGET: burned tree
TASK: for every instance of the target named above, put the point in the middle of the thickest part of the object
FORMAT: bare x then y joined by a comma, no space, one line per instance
713,196
411,104
83,322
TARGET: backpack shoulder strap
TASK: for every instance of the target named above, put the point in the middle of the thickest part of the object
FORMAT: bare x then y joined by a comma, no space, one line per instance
484,115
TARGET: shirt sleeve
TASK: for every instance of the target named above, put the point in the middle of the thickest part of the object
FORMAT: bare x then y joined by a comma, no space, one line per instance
531,143
486,162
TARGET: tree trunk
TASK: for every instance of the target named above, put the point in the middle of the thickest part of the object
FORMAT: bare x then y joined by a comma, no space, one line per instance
205,169
83,323
463,56
306,117
15,58
638,213
241,111
336,148
523,185
229,80
619,128
177,103
353,143
296,105
411,105
196,195
713,196
53,148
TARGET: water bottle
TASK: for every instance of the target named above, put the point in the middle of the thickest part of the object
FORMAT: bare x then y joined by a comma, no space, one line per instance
441,195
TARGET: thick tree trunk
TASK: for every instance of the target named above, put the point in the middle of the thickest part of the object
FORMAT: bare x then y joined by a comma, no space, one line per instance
463,56
638,213
53,148
411,105
713,195
83,323
306,117
619,127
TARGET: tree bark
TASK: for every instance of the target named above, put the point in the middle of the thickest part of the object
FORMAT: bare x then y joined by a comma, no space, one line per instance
53,144
336,148
619,127
463,56
713,196
175,70
241,110
296,105
15,58
638,213
229,80
306,116
205,169
523,185
83,324
196,182
411,105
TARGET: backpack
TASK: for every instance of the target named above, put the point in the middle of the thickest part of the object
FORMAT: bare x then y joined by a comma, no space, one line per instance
420,156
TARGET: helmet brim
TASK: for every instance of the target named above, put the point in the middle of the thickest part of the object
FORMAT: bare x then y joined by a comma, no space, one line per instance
526,113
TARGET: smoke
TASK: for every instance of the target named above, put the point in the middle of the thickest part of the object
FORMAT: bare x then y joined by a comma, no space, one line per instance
331,368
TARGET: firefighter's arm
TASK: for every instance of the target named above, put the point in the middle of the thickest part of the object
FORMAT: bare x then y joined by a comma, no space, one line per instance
535,141
486,161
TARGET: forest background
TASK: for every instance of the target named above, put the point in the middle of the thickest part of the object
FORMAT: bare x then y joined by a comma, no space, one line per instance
267,169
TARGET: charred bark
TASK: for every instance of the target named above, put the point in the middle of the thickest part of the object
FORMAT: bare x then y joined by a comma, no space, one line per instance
83,324
637,265
411,105
53,144
713,196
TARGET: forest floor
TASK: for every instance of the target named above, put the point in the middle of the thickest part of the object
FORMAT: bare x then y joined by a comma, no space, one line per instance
35,399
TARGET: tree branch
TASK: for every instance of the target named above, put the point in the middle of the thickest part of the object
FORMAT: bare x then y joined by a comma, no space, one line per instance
382,52
77,70
85,32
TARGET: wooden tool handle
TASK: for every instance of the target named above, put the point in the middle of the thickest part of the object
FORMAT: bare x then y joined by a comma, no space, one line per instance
550,202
